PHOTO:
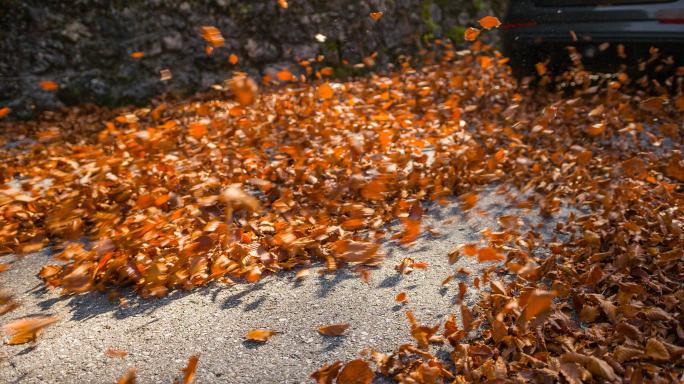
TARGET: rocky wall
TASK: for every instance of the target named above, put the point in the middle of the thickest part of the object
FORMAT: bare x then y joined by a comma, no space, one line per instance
85,46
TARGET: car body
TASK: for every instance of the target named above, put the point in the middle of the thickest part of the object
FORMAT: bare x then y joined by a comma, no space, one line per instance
606,33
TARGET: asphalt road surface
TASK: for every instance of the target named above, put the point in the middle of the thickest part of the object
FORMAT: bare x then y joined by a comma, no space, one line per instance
160,334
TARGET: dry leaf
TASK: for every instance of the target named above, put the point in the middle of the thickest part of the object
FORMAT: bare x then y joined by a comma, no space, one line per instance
260,335
333,329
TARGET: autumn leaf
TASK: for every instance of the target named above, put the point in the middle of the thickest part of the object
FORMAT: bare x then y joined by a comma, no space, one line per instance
26,329
401,297
4,111
537,303
212,36
260,335
376,15
327,373
233,59
48,85
111,352
333,329
324,91
282,4
489,22
137,55
356,372
128,377
190,369
471,34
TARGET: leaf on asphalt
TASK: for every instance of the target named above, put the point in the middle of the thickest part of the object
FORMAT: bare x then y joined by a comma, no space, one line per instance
260,335
112,352
356,372
128,377
327,373
190,370
333,329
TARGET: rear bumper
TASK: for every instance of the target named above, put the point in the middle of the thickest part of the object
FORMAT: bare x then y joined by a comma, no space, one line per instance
644,32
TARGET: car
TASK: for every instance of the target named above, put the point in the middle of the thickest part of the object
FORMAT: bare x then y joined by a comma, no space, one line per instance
606,35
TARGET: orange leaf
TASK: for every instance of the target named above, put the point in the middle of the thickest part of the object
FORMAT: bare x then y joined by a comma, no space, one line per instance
468,200
488,254
49,85
325,91
212,36
333,330
137,55
111,352
190,369
128,377
260,335
470,249
471,34
285,75
596,129
327,373
538,302
233,59
489,22
26,329
356,372
401,297
376,15
282,4
197,130
4,111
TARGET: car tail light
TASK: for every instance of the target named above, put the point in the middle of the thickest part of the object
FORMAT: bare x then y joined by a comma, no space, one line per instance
671,21
514,24
670,16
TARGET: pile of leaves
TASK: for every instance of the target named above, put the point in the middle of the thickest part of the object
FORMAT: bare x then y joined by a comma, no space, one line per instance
183,194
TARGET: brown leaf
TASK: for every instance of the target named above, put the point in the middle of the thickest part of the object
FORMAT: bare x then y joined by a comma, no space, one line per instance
656,350
538,302
327,373
111,352
128,377
356,372
26,329
333,329
260,335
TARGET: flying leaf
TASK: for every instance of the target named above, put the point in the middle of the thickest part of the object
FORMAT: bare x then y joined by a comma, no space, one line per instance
537,303
376,15
190,369
325,91
471,34
26,329
49,85
489,22
128,377
233,59
137,55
